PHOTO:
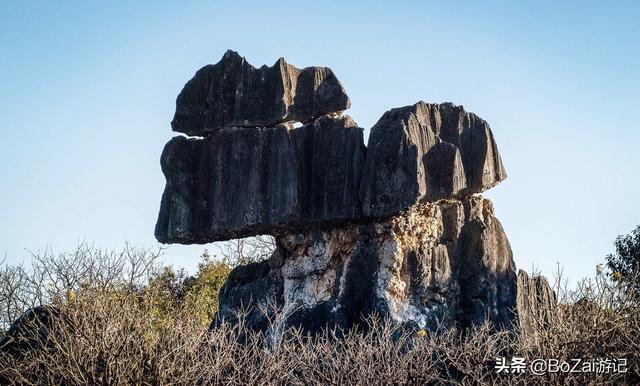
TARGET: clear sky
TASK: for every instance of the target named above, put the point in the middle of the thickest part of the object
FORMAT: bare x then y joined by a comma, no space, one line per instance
87,91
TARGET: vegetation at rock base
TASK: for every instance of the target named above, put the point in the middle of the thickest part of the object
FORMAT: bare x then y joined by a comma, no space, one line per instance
174,290
120,318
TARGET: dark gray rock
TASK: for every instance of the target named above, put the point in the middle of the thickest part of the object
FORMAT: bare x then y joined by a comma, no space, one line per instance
28,336
486,271
425,152
241,182
250,292
391,229
536,304
30,331
234,93
311,281
434,266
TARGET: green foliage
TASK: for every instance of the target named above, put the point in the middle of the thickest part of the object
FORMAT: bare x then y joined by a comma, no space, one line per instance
201,294
625,262
176,292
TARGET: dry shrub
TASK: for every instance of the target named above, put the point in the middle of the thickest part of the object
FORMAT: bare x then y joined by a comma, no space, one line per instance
247,250
107,329
600,319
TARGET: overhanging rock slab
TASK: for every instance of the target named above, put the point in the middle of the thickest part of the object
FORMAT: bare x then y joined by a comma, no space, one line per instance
240,182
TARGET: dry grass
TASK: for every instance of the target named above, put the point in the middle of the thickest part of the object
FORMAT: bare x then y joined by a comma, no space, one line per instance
106,330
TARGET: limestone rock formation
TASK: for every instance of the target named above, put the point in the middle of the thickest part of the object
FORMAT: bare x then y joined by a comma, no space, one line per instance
536,304
30,331
433,266
395,228
30,334
234,93
240,182
425,152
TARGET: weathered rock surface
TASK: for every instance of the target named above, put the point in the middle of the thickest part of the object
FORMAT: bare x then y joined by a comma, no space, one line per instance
393,228
30,335
246,181
426,152
234,93
29,331
433,266
536,304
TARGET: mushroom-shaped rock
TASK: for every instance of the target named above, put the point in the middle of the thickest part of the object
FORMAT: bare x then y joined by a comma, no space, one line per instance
234,93
426,152
241,182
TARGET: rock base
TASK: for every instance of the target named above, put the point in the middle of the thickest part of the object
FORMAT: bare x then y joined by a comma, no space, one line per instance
434,266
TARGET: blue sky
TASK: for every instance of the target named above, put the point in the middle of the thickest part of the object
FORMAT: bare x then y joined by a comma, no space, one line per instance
88,90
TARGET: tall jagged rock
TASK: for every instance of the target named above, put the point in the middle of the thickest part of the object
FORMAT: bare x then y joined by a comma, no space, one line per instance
425,152
241,182
536,304
435,265
233,93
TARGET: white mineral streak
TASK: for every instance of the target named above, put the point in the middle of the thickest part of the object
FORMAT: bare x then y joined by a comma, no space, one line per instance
311,274
317,266
418,228
391,287
413,279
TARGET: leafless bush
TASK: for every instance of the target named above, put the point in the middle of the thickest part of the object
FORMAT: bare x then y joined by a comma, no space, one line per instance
108,329
248,250
600,319
14,299
52,278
